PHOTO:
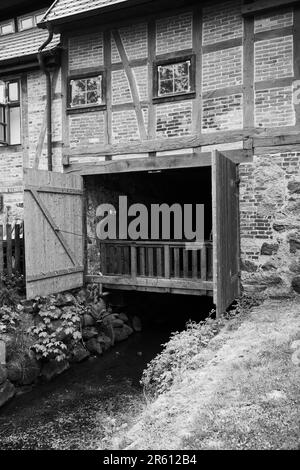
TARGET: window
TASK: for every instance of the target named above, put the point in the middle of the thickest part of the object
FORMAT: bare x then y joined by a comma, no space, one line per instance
86,91
7,27
173,78
30,21
10,115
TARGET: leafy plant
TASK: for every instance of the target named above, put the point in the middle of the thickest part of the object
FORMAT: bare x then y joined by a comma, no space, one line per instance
180,352
53,342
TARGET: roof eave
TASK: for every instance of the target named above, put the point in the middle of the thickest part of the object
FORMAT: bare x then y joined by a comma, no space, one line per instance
89,13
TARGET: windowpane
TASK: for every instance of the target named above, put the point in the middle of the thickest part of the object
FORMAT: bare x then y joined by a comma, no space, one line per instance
14,126
174,78
7,28
2,133
86,91
39,17
26,23
2,92
13,91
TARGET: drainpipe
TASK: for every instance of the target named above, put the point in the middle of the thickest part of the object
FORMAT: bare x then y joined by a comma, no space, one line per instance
48,95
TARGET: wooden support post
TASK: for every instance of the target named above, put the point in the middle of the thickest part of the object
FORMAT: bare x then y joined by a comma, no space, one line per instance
248,67
195,264
17,249
1,250
8,249
167,261
133,261
203,263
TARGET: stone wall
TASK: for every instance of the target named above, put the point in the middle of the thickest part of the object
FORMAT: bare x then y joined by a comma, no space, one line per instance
270,223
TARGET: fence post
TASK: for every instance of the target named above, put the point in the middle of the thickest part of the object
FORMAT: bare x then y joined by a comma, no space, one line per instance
8,249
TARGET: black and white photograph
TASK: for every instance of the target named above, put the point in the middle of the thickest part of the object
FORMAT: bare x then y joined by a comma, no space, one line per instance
149,228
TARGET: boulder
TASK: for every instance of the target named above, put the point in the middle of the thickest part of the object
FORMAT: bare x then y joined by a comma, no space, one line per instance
136,323
98,309
7,391
117,323
88,320
105,341
23,370
89,332
296,284
94,346
53,368
123,317
79,353
82,295
122,333
3,374
269,248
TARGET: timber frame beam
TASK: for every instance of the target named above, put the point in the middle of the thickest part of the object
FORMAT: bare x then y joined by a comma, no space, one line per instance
187,160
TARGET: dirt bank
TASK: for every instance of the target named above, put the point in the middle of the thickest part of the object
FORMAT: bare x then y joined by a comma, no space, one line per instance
245,394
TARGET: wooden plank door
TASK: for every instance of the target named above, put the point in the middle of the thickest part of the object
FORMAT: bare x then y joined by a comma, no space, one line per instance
54,232
226,245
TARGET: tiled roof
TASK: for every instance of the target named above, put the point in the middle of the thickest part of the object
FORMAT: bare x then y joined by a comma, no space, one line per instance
24,43
63,8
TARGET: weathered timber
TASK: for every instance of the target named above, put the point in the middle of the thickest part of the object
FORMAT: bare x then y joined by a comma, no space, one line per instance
59,234
156,163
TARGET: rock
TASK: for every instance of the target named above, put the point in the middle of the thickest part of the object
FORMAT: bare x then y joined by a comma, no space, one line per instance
79,353
7,391
136,323
296,284
248,266
82,295
64,300
294,187
23,370
122,333
269,248
117,323
3,374
295,267
94,346
98,309
89,332
279,227
123,317
268,266
108,319
53,368
294,245
105,341
88,320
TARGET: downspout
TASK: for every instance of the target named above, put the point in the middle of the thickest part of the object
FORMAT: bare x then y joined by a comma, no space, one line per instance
48,95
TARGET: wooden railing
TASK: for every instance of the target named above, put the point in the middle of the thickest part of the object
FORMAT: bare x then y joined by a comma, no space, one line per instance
156,259
11,249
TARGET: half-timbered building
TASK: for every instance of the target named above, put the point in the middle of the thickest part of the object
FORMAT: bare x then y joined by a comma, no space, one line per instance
181,102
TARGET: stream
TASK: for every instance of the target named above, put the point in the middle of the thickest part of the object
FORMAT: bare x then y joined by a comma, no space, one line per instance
83,407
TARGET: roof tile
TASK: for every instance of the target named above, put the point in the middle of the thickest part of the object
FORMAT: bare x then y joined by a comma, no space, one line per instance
64,8
24,43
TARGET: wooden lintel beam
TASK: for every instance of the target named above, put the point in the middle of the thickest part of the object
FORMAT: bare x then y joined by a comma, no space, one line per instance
188,160
158,145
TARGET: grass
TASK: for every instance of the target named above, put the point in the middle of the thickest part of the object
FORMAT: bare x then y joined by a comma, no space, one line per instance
244,395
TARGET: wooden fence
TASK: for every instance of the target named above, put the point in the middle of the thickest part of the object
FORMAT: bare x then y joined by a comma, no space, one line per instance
12,249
